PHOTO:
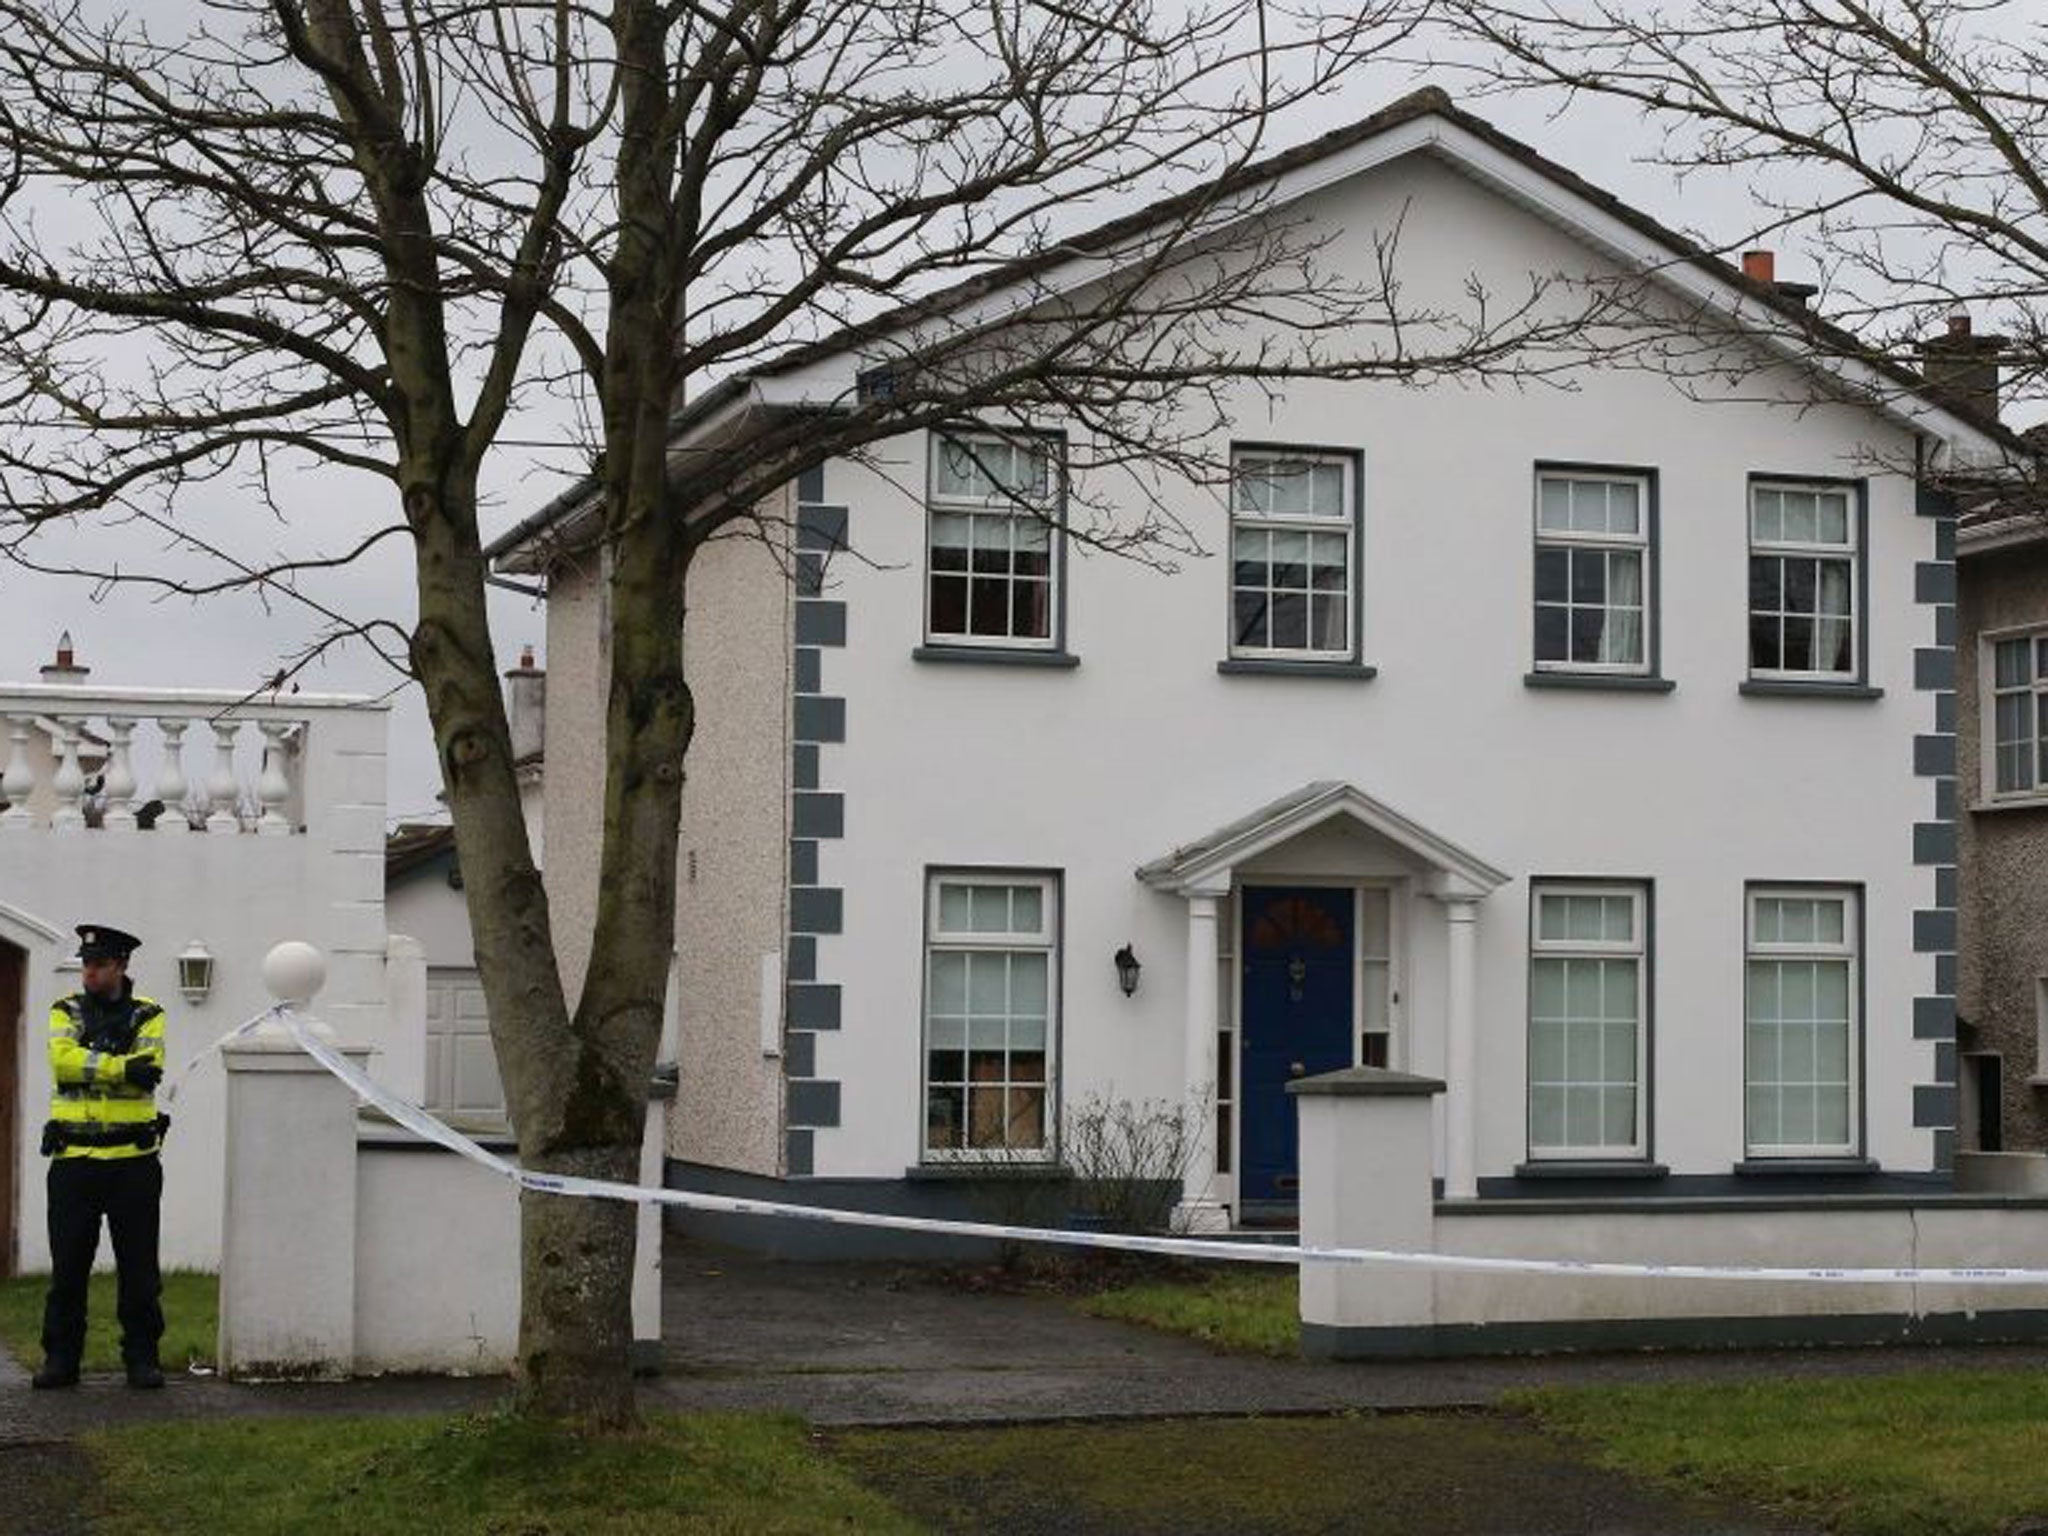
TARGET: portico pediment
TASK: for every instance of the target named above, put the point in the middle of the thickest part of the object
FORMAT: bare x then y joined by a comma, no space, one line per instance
1207,863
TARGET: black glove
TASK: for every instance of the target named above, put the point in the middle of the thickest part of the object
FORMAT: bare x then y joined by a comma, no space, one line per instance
142,1072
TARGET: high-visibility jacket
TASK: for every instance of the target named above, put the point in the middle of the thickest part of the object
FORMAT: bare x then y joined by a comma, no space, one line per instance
91,1043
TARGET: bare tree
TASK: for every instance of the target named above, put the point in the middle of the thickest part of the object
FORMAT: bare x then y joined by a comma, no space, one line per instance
1905,140
364,235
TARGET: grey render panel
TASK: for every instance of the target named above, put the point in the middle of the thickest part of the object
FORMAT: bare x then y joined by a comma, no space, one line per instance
1945,799
810,572
803,957
797,1153
803,765
820,622
1934,581
820,718
1945,975
820,527
800,1053
810,669
1934,930
1944,623
1934,666
816,909
1934,756
803,861
1934,1105
1945,1061
817,813
810,485
1945,884
1934,842
814,1005
1934,1018
815,1102
1945,713
1944,1148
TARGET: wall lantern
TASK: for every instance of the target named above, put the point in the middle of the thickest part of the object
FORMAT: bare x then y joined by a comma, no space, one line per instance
1127,969
195,972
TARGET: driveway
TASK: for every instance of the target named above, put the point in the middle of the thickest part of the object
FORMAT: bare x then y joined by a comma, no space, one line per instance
878,1344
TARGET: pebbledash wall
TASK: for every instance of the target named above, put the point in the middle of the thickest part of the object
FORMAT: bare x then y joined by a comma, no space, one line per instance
234,891
1132,743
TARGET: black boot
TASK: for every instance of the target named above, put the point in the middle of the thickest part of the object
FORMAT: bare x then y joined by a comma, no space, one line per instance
57,1371
143,1371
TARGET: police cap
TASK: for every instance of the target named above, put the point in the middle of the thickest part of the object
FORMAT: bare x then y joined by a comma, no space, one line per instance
96,941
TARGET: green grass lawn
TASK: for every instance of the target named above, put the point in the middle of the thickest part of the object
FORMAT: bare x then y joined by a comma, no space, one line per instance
1954,1452
191,1320
482,1476
1241,1307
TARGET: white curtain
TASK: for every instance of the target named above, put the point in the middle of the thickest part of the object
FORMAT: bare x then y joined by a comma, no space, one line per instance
1831,626
1621,637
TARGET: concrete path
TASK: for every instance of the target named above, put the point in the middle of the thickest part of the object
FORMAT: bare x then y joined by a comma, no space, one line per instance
873,1344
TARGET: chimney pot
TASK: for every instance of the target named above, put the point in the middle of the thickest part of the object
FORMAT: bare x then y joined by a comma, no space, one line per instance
64,649
1959,322
1760,266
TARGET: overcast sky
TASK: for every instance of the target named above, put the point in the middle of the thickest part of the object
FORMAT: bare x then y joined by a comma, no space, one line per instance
129,638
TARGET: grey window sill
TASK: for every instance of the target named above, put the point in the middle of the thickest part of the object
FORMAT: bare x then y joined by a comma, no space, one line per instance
2016,803
940,1173
990,656
1615,682
1804,1167
1254,666
1764,688
1567,1169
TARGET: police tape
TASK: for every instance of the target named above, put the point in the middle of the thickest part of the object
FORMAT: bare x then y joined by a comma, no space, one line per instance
415,1119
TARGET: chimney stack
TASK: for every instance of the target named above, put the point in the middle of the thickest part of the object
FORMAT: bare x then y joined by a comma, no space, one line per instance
526,703
65,668
1961,367
1760,266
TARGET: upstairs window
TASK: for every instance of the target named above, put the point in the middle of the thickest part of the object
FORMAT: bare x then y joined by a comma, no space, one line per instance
2018,676
1293,546
1803,553
1592,573
992,553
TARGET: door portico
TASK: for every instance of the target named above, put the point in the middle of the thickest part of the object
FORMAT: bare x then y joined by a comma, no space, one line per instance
1245,865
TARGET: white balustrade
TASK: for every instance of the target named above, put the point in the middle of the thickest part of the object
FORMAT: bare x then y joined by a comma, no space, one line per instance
69,781
19,781
223,791
84,759
272,787
118,788
171,788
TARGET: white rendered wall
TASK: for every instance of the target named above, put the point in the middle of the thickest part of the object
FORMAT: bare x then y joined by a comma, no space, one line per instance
422,905
236,894
1143,746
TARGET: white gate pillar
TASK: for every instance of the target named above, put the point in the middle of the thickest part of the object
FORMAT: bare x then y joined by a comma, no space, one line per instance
288,1239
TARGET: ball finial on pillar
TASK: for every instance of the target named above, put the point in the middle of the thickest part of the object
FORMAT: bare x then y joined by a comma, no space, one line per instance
294,971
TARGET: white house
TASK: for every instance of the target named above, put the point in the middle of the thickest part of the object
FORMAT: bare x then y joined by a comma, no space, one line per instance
217,824
1591,750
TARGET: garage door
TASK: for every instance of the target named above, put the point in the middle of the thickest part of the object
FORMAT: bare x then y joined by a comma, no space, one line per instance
462,1072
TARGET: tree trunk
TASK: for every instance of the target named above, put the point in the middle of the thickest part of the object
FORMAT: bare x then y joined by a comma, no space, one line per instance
576,1310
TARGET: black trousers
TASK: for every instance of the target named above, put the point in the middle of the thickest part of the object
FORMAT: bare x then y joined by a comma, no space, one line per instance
125,1191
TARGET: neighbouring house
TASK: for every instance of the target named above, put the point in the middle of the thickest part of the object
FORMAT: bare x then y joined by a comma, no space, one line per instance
424,902
2002,739
213,823
1591,750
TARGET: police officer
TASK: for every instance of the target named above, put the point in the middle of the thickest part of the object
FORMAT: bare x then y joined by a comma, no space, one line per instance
106,1058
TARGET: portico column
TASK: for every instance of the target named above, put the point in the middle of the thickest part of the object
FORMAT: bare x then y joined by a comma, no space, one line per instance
1461,1065
1200,1210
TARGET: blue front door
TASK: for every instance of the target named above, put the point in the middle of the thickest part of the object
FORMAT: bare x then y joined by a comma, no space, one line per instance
1298,958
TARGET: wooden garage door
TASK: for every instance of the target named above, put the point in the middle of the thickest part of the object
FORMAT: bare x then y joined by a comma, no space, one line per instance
462,1072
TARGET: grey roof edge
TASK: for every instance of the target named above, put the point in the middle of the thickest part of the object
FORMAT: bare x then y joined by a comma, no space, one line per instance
1299,811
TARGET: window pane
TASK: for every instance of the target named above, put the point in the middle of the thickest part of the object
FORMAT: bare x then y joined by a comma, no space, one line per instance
1798,634
1618,1056
945,1118
1620,918
1766,584
1290,621
1589,625
1546,1050
1547,989
1328,618
1290,560
1833,523
1802,580
1250,619
1589,576
2010,660
1828,917
1031,610
1766,643
1554,505
956,906
1619,990
1799,517
949,983
1327,490
1623,515
1546,1117
1582,1117
988,611
1553,634
1795,920
1553,573
1767,516
1027,909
